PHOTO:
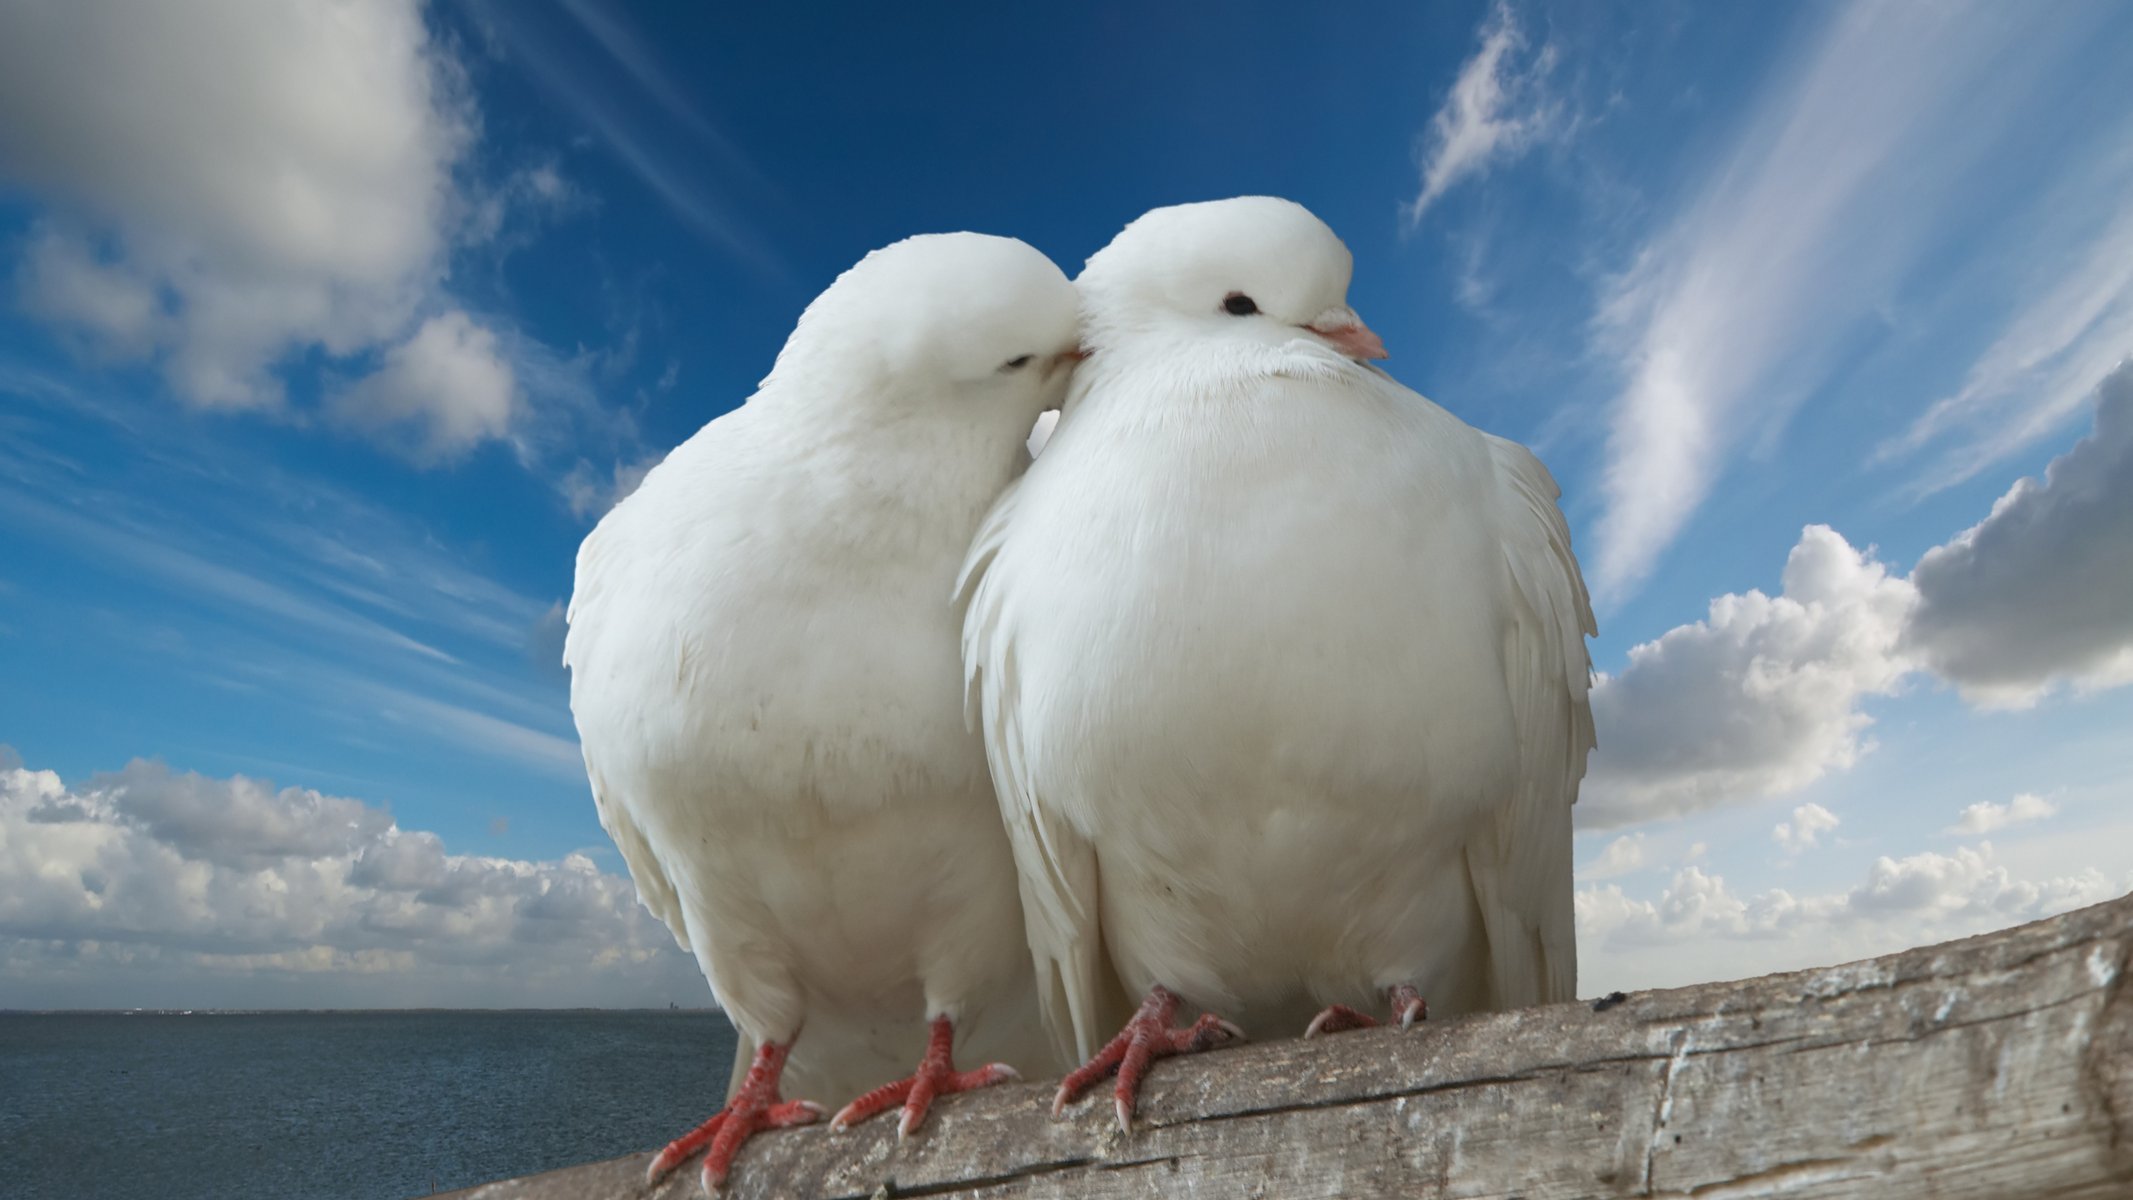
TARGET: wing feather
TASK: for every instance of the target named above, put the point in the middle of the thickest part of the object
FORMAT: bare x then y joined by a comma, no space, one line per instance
1520,867
1055,864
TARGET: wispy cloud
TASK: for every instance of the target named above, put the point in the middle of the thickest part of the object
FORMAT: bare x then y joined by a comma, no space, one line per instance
267,582
1499,106
2074,323
246,515
1854,166
589,101
491,734
129,553
641,63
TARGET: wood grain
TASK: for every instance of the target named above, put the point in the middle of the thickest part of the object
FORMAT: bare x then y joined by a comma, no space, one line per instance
1997,1066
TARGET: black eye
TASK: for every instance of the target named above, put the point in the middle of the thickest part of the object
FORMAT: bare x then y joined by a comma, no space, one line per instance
1239,305
1017,363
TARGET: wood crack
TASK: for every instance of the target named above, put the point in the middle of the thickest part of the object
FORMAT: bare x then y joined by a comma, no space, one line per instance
2029,1092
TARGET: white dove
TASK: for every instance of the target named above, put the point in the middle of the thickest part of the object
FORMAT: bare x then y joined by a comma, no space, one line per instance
1280,666
764,674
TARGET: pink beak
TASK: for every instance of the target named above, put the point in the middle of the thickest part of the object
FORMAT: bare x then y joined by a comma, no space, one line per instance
1066,358
1348,334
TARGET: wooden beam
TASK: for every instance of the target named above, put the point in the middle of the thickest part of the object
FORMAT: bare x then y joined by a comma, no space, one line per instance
1997,1066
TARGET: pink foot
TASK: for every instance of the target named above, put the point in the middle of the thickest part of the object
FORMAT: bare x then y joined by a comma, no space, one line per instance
755,1107
1147,1037
936,1076
1407,1008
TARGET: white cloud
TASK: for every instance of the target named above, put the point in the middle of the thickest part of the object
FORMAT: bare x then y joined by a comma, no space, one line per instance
1969,885
599,103
1698,930
235,188
1622,856
2075,326
474,729
1987,817
1809,822
1763,696
1759,698
1693,904
439,393
154,556
2037,594
240,180
1497,108
1846,179
160,884
590,493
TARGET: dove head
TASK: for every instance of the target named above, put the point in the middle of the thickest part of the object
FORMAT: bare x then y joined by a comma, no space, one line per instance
964,322
1256,273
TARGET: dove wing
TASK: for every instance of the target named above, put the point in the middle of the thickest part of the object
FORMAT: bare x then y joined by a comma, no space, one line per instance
1057,867
1520,864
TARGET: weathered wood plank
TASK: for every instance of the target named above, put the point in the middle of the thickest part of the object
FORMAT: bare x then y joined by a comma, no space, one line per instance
1996,1066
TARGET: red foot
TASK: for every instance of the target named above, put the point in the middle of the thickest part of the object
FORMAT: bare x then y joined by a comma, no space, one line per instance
1407,1008
936,1076
1147,1037
755,1107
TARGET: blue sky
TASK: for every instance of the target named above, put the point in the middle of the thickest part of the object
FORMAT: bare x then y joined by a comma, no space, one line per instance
327,334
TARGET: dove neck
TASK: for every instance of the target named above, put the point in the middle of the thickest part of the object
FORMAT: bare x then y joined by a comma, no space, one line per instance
1195,374
886,411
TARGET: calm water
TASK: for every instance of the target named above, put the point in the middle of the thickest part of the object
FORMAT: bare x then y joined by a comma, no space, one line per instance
296,1106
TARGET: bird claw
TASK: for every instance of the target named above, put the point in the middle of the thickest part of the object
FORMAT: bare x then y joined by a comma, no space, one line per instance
1408,1005
936,1076
1407,1008
755,1107
1147,1037
1338,1018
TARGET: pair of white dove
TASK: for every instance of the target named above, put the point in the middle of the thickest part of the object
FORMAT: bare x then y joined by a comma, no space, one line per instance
1271,698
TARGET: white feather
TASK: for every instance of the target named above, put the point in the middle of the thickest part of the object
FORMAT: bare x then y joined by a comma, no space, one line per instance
764,675
1280,666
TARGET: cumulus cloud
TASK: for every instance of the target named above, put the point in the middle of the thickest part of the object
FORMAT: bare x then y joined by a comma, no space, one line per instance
1809,228
242,179
1987,817
1622,856
156,883
234,187
1759,698
2037,594
1764,695
1809,822
1498,107
1698,929
440,392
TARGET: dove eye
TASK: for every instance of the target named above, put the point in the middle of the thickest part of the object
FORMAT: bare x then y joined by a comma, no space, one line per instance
1239,305
1017,363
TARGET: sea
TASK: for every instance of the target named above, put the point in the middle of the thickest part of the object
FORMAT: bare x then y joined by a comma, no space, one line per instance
339,1105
